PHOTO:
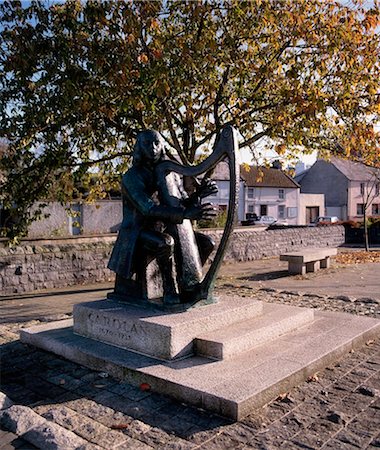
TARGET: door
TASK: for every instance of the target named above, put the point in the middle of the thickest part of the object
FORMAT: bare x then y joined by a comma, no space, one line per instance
312,212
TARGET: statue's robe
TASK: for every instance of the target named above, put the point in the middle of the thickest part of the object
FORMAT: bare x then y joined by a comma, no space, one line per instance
140,213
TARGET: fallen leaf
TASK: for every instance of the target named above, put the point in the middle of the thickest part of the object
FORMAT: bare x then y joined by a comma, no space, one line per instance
145,387
313,378
284,398
120,426
358,257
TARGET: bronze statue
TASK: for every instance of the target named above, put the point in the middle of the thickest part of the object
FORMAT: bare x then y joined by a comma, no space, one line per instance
157,257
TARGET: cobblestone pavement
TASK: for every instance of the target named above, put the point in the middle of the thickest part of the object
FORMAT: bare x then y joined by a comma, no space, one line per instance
59,404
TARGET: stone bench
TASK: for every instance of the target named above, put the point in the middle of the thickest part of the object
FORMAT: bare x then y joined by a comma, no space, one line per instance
308,260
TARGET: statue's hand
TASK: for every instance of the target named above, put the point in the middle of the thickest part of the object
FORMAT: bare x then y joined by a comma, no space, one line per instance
206,188
199,212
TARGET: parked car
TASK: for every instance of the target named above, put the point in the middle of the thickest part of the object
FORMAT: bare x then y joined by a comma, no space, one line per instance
250,219
324,219
265,220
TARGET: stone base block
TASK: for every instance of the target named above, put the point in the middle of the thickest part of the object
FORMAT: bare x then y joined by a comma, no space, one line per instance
155,333
231,387
229,341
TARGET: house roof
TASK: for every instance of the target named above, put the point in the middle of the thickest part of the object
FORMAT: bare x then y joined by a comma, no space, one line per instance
267,177
259,177
354,171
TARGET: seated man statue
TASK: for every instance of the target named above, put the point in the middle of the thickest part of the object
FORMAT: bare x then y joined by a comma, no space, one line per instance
147,227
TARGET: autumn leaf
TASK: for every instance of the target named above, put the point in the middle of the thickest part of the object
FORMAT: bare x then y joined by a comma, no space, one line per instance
143,58
145,387
359,257
120,426
313,378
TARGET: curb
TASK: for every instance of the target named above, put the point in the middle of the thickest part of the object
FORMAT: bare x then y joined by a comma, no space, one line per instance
35,429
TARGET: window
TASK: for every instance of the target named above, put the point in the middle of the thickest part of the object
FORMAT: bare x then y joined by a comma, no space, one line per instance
375,209
251,192
281,194
362,187
251,208
281,211
377,189
360,209
292,212
263,210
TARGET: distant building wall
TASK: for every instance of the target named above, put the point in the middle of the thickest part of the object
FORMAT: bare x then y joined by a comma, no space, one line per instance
57,263
273,199
356,198
103,216
310,201
58,222
324,178
221,198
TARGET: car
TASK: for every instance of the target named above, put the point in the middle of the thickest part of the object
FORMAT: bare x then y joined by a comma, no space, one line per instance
325,220
265,220
250,219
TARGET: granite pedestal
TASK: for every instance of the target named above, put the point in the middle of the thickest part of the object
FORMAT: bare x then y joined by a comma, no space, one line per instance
229,357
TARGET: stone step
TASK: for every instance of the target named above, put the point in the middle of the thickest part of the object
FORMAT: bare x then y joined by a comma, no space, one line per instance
232,387
240,337
162,335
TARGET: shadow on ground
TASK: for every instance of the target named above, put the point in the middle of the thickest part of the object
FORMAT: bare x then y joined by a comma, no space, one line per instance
80,290
40,380
274,275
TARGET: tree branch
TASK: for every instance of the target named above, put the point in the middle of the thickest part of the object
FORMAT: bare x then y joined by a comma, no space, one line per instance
255,138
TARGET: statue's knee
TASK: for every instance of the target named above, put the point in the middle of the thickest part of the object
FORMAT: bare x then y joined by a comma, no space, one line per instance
166,246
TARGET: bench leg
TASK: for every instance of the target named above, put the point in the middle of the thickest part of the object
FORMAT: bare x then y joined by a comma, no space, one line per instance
297,268
325,263
312,266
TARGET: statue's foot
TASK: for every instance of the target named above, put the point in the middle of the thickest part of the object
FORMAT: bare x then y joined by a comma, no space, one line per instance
171,299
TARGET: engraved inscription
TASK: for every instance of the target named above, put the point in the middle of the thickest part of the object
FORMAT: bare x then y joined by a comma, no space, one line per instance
113,327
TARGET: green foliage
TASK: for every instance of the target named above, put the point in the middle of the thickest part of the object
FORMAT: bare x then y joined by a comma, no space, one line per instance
218,222
79,79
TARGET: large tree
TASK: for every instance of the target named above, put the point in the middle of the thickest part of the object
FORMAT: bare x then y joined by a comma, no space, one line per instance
79,79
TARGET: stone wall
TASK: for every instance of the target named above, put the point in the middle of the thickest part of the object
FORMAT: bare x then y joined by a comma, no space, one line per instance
58,263
250,245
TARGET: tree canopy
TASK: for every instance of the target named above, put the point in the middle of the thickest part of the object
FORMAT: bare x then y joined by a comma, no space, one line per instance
78,80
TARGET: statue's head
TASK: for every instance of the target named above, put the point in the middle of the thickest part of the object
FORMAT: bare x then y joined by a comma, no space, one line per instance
149,147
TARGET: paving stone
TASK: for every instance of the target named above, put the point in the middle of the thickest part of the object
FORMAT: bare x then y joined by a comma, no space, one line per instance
348,437
269,427
19,419
137,429
50,436
133,444
154,437
64,416
90,408
105,438
178,444
115,419
6,437
66,381
5,401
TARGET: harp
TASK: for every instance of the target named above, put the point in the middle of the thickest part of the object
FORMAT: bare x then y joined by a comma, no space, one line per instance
192,280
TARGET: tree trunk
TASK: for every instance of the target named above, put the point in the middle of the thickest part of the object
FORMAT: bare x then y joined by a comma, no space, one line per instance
366,243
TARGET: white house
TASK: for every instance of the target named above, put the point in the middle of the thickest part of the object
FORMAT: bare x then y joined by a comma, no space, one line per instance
263,191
